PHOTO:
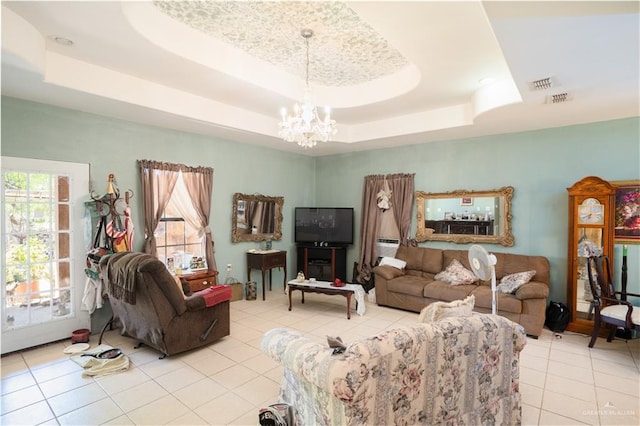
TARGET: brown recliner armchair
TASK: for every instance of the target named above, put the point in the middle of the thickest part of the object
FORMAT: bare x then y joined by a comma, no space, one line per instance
149,306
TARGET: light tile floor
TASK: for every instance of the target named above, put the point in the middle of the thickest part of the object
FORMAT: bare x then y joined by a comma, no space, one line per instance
563,382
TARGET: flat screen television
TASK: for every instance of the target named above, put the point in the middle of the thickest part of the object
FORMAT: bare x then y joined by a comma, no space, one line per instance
328,225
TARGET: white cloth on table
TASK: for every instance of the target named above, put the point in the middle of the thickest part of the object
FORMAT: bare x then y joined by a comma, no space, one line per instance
359,293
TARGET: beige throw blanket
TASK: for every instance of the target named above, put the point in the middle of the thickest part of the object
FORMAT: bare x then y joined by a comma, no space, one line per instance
100,367
120,276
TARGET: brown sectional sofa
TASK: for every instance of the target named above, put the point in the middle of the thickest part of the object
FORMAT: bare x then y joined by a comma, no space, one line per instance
415,287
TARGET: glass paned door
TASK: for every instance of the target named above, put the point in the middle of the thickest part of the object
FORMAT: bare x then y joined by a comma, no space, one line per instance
42,239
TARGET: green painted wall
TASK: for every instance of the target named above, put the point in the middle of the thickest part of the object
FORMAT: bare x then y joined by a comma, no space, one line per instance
112,146
540,165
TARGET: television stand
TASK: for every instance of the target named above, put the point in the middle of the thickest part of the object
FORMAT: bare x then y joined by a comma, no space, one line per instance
322,263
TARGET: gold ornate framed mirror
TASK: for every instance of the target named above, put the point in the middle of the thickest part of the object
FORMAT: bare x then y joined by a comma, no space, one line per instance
463,216
256,218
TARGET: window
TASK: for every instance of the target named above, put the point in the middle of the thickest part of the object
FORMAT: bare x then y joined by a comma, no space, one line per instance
176,237
174,192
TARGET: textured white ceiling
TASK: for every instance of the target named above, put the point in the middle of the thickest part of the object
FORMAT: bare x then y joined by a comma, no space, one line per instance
343,51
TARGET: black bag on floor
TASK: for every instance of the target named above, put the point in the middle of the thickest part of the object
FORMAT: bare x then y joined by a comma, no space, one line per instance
557,317
276,415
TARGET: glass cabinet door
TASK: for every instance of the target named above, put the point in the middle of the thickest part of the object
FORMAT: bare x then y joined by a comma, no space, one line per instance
589,244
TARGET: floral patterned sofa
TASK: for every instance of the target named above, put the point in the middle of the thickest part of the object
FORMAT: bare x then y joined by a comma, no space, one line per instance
459,370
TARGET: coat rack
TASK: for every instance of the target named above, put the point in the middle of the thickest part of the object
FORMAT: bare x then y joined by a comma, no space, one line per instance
114,230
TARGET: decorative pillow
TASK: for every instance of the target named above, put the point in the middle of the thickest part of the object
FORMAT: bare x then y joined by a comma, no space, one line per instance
388,272
456,274
511,283
392,261
438,310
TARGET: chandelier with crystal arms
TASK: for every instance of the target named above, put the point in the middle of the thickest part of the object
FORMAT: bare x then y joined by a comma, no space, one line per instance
304,126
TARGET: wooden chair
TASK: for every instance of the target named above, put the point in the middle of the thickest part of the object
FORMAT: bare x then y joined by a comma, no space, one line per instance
609,309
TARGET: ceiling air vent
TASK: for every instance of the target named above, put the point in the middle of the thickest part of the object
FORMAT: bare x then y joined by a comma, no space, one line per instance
542,84
558,98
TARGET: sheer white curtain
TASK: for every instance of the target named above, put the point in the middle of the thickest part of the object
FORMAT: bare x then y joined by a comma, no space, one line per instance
181,202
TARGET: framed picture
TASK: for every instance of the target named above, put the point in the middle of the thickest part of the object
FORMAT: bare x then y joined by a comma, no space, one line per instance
466,201
627,220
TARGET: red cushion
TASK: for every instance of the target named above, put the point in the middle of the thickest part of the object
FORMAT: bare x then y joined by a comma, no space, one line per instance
215,294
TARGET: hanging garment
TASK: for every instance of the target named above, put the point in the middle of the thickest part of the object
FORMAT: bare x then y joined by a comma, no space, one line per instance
128,225
118,233
92,297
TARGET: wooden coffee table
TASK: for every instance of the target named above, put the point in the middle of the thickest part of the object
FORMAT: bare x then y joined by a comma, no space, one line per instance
324,287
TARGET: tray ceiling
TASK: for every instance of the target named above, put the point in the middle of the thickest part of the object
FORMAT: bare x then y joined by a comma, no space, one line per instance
394,73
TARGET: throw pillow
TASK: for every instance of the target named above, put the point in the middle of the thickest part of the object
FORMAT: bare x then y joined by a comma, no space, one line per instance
456,274
438,310
388,272
511,283
392,261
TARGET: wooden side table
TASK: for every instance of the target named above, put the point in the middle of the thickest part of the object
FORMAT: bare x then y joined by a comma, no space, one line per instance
200,280
266,261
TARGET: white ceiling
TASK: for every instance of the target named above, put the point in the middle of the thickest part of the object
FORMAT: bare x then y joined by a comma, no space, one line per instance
395,73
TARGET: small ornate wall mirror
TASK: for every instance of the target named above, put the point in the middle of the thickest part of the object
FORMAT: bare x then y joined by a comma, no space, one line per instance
256,218
465,216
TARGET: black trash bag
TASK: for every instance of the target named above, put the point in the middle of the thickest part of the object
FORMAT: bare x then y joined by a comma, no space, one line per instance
557,317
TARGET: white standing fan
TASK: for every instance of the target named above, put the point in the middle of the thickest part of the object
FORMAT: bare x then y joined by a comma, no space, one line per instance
484,266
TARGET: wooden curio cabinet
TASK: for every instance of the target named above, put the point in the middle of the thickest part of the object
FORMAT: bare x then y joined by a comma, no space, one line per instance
591,228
